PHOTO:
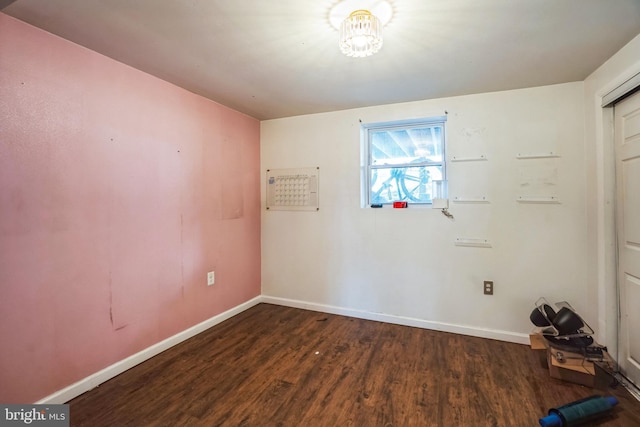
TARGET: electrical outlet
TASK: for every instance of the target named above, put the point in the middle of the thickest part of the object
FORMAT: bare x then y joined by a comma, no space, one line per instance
488,287
211,278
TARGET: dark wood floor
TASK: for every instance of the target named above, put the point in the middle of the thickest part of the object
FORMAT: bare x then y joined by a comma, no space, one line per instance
279,366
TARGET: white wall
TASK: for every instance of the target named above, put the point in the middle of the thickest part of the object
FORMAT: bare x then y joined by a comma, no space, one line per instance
602,299
403,264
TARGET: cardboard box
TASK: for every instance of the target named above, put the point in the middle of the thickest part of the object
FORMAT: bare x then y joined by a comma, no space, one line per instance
537,342
573,367
590,374
539,348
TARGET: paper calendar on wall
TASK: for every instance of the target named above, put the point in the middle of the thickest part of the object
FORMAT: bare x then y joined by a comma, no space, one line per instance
293,189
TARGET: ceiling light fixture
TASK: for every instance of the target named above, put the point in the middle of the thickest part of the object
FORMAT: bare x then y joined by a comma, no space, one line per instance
360,34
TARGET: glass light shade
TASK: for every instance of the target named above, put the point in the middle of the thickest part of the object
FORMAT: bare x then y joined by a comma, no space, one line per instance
360,34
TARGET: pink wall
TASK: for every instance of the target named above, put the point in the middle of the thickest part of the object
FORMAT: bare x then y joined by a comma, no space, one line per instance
118,192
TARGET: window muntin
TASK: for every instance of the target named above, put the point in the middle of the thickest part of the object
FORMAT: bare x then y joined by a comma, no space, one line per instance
402,160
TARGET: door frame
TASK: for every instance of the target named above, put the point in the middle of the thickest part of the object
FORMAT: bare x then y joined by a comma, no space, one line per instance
607,292
631,99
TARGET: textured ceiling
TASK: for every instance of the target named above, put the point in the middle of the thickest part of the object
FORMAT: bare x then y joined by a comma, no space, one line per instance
272,59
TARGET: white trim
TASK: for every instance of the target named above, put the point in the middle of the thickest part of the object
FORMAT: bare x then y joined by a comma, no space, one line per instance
495,334
74,390
366,162
624,89
94,380
607,286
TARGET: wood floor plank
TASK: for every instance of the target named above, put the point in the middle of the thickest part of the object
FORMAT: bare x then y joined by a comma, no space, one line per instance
280,366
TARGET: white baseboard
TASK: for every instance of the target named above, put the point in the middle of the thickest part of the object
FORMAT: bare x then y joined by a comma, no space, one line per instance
94,380
495,334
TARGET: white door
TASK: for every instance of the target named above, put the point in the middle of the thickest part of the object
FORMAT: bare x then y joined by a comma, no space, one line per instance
627,146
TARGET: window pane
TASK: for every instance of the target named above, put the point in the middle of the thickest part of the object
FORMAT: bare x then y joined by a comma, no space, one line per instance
411,145
403,184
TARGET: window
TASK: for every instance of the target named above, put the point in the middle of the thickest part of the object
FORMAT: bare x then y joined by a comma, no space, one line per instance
402,159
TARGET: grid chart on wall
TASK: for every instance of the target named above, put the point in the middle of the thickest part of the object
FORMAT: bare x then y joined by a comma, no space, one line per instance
293,189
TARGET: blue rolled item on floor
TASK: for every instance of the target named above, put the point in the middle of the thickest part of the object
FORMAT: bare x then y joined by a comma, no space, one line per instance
578,412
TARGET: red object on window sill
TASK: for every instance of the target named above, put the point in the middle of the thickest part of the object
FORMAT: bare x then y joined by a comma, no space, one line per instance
399,204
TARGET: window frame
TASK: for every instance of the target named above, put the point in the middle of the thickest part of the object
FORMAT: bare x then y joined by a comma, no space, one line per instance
366,131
